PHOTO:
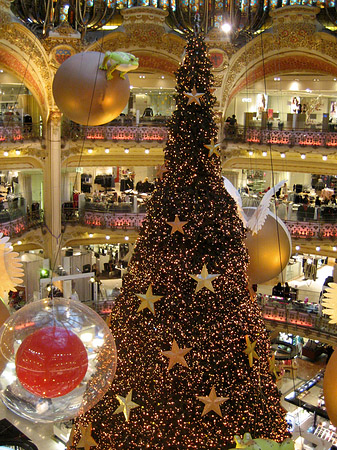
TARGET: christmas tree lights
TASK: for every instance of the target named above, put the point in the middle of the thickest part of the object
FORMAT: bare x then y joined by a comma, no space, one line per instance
216,383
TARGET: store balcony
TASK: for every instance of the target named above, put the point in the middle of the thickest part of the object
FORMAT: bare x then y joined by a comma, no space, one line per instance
143,132
147,131
17,133
16,223
319,226
287,137
299,319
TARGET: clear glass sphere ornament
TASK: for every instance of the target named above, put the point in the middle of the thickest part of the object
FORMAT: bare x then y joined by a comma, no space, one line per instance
57,360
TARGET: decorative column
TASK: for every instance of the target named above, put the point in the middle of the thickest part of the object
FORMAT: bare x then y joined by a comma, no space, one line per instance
52,189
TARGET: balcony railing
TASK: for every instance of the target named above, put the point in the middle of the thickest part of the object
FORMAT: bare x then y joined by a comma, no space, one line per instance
302,138
140,133
17,133
153,131
300,317
147,132
16,223
126,217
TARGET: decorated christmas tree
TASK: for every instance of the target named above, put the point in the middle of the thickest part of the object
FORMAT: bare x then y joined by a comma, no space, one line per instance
193,352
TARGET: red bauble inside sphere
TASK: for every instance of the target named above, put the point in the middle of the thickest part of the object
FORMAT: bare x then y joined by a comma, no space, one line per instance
51,362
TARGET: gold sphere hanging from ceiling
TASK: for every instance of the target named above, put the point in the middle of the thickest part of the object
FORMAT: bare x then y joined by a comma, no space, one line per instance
330,388
83,93
269,250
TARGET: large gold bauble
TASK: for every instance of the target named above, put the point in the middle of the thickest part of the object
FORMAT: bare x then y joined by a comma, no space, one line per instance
330,388
84,95
269,250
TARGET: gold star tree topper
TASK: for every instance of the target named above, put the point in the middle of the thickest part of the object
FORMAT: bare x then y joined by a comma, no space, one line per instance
125,405
213,148
86,441
194,96
177,355
148,300
177,225
204,279
212,403
250,351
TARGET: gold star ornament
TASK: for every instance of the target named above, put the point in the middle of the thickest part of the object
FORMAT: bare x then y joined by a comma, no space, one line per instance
212,403
213,148
86,441
177,355
204,279
148,300
272,366
125,405
194,96
70,442
177,225
161,170
250,351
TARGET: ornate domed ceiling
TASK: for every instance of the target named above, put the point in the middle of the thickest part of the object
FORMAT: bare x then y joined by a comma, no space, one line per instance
43,16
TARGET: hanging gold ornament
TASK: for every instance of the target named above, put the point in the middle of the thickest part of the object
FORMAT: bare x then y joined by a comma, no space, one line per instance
125,405
204,279
194,96
213,148
177,355
250,351
86,441
177,225
148,300
212,403
161,170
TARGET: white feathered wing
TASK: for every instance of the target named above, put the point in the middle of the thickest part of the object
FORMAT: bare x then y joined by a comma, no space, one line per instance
256,222
237,198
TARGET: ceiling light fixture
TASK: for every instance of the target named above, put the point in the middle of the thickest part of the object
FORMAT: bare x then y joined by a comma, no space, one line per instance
226,28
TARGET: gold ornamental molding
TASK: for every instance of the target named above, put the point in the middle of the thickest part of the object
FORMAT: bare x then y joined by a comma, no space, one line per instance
143,28
22,54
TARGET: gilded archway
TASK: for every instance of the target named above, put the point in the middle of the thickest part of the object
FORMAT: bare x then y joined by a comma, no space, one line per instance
292,43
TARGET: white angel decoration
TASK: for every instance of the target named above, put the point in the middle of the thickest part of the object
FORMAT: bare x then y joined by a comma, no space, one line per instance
329,302
257,220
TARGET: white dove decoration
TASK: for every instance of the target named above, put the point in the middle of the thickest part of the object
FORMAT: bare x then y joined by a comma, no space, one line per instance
257,220
329,302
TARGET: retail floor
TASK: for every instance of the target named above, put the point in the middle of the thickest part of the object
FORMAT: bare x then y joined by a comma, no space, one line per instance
309,289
